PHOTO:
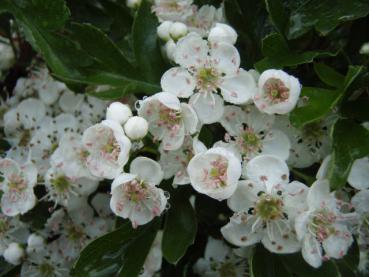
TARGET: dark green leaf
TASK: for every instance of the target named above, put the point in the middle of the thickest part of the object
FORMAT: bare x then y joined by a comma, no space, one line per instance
277,14
350,142
349,263
179,230
324,15
145,44
265,264
328,75
278,54
356,109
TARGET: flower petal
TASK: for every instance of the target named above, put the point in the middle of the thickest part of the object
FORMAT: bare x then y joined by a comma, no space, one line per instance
225,58
276,143
209,107
359,174
147,169
178,81
191,50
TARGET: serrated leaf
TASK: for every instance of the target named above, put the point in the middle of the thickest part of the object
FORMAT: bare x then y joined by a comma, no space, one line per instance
278,54
324,15
328,75
145,44
179,230
350,142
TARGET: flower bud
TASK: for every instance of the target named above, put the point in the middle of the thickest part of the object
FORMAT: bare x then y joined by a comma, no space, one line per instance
170,47
118,112
7,56
14,253
133,3
178,30
35,242
222,33
364,49
163,30
136,127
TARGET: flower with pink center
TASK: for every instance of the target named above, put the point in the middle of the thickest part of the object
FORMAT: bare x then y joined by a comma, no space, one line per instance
323,226
107,149
17,186
203,71
215,172
169,120
277,92
135,195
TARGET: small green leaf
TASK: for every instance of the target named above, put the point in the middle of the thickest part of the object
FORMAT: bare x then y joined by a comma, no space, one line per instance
145,44
278,15
328,75
350,142
179,230
278,54
324,15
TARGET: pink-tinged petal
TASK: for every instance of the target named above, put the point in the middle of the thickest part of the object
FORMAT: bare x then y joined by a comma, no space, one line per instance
225,58
312,251
191,51
179,82
209,107
147,170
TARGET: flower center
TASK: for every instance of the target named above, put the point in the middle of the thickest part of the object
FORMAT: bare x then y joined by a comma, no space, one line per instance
46,270
207,79
227,269
111,149
321,224
168,117
16,183
269,207
25,138
275,91
74,233
313,130
249,142
217,175
136,191
61,184
4,227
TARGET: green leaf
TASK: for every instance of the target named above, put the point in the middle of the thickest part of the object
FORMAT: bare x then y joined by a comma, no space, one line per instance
179,230
278,54
350,142
123,250
328,75
319,102
101,48
324,15
263,263
357,109
145,44
296,265
277,14
349,263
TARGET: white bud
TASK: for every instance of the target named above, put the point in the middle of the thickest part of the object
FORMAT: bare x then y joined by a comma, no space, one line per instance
178,30
222,33
14,253
364,49
136,127
118,112
7,56
163,30
170,47
133,3
35,242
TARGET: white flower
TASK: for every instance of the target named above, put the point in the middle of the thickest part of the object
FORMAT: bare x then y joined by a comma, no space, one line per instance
12,230
136,128
135,195
222,33
215,172
203,71
163,30
309,144
154,258
108,149
219,260
118,112
175,162
17,186
265,206
174,10
204,18
322,226
14,253
278,92
364,49
169,120
177,30
250,133
35,243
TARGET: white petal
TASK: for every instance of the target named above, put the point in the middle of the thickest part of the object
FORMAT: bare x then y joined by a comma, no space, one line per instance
209,107
311,251
336,246
238,89
147,169
178,81
318,195
173,139
301,225
31,111
360,201
276,143
269,170
233,119
295,198
189,118
169,100
225,57
359,174
191,50
245,196
121,180
216,250
323,169
9,167
283,243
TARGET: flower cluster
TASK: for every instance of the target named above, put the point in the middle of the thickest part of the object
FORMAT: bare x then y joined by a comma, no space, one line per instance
89,161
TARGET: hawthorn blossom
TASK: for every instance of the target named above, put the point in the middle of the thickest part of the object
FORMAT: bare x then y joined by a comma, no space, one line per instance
323,226
265,206
135,195
174,10
169,120
17,186
203,19
215,172
203,71
107,149
277,92
11,230
251,133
